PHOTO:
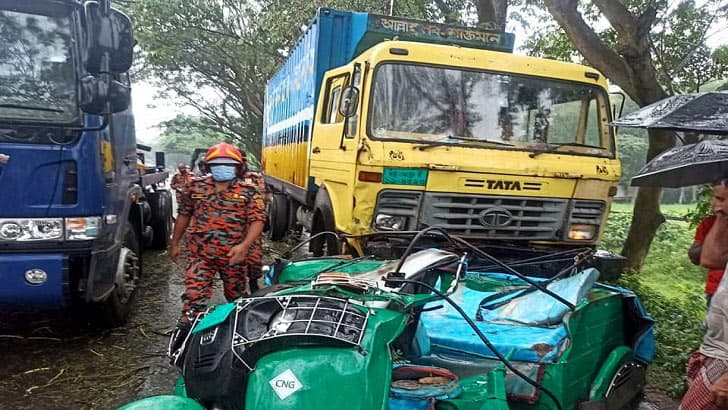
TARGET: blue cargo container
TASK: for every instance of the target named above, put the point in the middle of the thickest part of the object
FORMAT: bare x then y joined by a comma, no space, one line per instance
333,39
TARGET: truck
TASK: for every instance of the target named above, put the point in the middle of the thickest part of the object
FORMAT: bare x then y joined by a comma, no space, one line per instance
382,123
79,203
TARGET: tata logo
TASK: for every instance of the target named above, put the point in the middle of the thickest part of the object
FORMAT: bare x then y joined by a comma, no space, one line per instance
4,158
496,217
513,185
504,185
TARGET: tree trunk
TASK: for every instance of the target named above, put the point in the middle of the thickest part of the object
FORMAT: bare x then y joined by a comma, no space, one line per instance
646,216
629,66
492,13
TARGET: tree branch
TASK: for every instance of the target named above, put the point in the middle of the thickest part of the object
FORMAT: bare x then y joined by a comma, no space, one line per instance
590,45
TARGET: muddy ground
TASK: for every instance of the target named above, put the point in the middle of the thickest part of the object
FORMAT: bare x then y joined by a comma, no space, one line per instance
55,361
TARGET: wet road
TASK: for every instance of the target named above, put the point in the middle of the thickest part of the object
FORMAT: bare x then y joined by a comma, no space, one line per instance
51,361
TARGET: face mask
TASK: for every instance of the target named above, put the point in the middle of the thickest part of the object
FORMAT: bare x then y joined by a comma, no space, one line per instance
221,173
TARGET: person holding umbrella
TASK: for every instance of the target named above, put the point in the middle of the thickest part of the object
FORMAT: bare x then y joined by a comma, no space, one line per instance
719,207
708,367
694,164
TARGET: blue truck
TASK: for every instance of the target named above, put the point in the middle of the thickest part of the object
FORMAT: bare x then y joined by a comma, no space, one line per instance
77,205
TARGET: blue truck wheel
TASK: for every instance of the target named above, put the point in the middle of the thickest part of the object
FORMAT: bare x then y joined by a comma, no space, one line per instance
117,306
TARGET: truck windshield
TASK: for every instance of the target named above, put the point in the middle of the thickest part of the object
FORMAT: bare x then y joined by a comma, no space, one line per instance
436,105
37,72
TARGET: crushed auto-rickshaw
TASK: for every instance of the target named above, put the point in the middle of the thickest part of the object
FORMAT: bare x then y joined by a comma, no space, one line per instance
445,327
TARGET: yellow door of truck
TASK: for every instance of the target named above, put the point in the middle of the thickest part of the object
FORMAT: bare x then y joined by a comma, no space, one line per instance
333,154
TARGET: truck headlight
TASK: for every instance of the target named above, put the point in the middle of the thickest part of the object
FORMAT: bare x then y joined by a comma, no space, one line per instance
41,229
581,232
82,229
10,231
384,222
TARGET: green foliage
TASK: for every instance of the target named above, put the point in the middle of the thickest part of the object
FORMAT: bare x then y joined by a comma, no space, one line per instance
705,194
217,56
678,36
183,134
678,332
672,290
632,153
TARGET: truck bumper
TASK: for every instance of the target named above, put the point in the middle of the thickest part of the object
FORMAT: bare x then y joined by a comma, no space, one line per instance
16,292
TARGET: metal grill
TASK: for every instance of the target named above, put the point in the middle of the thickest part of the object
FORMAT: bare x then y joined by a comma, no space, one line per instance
587,212
530,218
400,203
304,315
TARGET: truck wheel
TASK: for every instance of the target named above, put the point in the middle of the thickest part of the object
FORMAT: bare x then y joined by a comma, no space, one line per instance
324,244
161,204
278,217
117,306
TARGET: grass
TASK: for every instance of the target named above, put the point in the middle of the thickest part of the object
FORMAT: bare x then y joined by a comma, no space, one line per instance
671,288
671,210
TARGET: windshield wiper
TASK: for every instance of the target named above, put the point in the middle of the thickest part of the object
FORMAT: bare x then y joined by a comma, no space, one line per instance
30,107
553,147
452,137
505,144
433,145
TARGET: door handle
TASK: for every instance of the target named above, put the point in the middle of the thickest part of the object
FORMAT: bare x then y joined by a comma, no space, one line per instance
316,150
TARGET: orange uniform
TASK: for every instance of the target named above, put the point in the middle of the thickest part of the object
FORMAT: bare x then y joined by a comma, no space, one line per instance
219,221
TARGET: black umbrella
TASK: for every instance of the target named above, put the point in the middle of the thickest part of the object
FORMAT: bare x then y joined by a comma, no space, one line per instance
693,164
706,113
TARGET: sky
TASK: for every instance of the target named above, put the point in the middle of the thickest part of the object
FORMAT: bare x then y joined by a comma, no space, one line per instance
150,110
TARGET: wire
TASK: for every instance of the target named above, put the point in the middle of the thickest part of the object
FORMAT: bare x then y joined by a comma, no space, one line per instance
550,257
417,237
512,271
454,240
312,237
483,338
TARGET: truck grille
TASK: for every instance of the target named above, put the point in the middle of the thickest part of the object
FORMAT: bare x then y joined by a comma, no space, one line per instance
400,203
495,217
587,212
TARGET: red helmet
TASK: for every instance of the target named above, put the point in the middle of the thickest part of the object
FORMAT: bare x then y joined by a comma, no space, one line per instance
224,153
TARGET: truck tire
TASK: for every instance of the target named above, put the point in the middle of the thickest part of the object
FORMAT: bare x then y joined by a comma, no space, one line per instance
278,217
117,306
323,220
161,204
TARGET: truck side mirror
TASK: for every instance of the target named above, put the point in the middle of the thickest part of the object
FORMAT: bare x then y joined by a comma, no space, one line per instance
349,101
97,93
119,97
109,33
617,112
160,161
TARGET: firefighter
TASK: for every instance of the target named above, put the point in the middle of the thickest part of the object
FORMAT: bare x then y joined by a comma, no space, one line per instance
227,213
254,262
180,180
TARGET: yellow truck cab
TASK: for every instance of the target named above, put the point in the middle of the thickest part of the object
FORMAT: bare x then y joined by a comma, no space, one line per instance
447,129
